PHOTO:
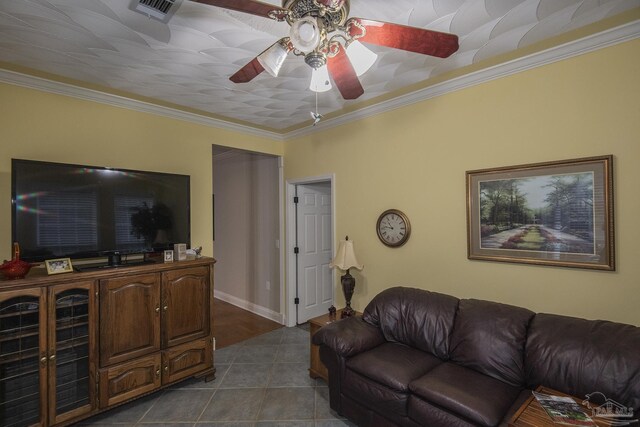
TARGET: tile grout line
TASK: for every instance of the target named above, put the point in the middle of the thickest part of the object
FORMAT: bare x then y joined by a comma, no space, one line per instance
204,408
282,350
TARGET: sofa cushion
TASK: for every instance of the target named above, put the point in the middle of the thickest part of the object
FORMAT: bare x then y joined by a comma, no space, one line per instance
393,365
469,394
374,395
423,414
579,356
415,317
489,337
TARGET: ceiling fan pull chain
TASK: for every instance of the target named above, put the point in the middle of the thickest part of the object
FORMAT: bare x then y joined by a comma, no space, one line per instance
316,116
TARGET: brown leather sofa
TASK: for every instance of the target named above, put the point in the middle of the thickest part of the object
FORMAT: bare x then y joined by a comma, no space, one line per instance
420,358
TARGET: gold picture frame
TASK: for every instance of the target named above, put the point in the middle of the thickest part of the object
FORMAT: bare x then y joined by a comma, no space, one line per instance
556,213
59,265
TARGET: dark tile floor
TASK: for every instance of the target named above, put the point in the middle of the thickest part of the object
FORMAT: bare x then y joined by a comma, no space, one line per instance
261,382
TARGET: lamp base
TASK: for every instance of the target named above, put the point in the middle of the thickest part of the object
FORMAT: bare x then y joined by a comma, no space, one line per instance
347,312
348,285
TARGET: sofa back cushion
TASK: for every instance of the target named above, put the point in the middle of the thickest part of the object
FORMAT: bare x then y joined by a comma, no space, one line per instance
580,357
489,337
415,317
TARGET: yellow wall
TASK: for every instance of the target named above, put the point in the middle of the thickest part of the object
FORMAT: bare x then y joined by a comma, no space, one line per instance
415,159
412,159
42,126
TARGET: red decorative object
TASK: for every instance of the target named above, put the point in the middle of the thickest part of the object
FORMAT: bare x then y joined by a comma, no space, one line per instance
15,269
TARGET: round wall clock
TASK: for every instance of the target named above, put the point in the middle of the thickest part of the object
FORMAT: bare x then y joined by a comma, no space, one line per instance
393,228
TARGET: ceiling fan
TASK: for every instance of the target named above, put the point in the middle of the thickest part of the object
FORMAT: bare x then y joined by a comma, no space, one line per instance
322,32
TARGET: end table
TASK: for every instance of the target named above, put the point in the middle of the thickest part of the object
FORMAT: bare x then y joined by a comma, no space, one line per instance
531,413
316,367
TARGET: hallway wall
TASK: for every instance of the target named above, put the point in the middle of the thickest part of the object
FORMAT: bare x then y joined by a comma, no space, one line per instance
246,191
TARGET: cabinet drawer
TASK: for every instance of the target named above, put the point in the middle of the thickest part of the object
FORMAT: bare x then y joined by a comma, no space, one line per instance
127,380
185,360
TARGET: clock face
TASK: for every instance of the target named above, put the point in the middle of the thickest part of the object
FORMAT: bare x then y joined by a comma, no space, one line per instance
393,228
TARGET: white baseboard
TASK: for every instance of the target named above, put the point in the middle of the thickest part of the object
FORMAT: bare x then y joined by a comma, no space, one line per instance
249,306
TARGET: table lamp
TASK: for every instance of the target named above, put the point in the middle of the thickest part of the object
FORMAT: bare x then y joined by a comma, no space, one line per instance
344,260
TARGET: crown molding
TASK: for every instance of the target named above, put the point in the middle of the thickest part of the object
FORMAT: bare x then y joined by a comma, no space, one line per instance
578,47
50,86
588,44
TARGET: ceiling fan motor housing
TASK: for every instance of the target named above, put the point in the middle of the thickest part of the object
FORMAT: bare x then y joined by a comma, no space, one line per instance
330,13
315,59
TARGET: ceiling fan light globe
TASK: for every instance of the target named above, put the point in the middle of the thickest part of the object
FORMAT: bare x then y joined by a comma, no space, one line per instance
361,57
273,58
305,34
320,81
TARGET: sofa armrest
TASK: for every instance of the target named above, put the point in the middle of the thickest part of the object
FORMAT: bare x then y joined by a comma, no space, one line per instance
350,336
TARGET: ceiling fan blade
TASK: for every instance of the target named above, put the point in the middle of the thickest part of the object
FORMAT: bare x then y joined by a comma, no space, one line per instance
254,67
248,72
344,75
398,36
247,6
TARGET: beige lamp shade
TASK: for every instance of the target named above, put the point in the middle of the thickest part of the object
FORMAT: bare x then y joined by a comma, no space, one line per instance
345,257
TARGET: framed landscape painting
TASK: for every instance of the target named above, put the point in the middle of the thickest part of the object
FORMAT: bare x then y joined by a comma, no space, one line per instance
555,213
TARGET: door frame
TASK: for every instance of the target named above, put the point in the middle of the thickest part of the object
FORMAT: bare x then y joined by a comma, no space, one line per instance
290,294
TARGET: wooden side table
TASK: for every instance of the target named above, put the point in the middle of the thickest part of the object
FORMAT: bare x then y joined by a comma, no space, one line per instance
316,367
531,414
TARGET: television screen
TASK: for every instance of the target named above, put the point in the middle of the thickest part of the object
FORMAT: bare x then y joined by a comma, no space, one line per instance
72,211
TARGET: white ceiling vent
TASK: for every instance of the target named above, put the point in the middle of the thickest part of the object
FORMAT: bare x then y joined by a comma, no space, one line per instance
162,10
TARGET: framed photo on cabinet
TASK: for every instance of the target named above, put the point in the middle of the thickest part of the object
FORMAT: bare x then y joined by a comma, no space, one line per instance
555,213
59,265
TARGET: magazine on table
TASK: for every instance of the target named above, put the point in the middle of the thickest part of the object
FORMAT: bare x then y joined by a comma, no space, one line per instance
563,410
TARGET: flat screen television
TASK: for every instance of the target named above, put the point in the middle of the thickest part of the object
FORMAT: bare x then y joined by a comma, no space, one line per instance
73,211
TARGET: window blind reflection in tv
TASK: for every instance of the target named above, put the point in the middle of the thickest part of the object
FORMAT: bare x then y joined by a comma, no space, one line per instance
73,211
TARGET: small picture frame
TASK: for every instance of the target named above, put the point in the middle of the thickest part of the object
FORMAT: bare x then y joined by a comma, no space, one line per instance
168,256
180,251
59,265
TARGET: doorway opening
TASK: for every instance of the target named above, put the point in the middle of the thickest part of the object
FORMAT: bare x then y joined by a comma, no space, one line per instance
247,230
310,242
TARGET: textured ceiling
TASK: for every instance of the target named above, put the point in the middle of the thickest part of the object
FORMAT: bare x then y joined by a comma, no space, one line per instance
188,61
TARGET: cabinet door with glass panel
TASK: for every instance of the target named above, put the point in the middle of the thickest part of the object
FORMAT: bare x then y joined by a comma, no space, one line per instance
23,358
47,354
72,351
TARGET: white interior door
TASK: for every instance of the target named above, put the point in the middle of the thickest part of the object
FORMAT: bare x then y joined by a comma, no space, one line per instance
314,277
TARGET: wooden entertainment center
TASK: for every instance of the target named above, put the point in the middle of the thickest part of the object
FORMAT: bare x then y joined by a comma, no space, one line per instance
75,344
